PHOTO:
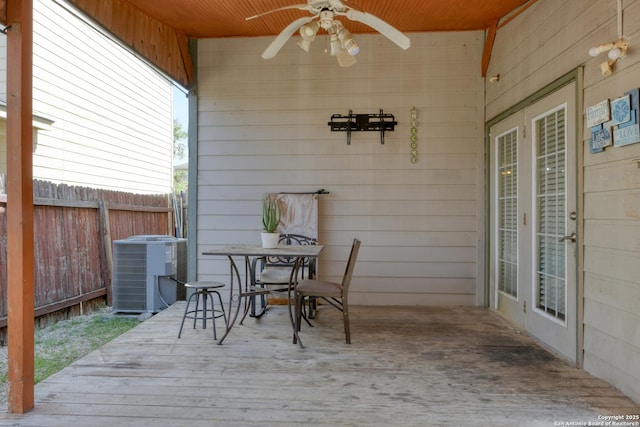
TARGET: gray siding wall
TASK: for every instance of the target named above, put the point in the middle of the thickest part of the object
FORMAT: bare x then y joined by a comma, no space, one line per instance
548,40
262,127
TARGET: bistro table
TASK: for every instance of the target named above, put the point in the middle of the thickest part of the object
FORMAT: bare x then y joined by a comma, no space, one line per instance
243,294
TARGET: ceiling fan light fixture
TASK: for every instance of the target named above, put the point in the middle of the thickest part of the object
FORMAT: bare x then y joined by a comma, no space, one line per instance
348,42
304,44
326,19
323,15
345,59
352,47
308,34
309,31
336,45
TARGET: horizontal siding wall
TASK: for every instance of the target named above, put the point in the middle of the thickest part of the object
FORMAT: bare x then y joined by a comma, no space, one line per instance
262,127
547,41
112,113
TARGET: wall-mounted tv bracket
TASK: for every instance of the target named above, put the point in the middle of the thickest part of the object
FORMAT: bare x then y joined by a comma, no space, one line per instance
362,123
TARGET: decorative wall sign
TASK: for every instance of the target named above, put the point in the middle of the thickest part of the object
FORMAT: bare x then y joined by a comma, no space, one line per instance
620,110
615,123
414,135
598,113
600,138
626,135
634,96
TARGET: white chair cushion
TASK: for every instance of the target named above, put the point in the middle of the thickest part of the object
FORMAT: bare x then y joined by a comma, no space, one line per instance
280,275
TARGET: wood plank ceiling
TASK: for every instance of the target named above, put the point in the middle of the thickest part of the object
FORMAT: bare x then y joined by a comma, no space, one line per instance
159,29
226,18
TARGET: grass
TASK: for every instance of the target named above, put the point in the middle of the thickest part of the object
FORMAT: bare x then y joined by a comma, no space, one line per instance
60,344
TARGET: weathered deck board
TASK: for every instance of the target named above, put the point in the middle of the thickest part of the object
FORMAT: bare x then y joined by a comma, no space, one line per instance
406,367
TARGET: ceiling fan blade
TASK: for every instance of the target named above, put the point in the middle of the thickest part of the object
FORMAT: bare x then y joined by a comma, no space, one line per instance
282,38
295,6
379,25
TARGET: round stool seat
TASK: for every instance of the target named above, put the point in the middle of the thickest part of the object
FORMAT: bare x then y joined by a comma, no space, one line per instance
204,285
203,291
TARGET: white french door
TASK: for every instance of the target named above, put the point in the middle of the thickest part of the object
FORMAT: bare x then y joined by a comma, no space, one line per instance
508,230
533,220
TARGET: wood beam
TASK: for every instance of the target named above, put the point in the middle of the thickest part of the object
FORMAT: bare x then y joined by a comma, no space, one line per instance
183,44
20,257
3,12
488,46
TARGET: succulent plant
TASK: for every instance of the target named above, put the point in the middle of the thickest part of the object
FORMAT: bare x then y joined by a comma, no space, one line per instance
270,214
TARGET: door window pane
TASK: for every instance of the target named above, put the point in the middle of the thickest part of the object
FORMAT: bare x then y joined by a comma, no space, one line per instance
551,216
508,213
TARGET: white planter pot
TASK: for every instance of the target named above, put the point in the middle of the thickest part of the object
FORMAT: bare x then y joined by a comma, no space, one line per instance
270,240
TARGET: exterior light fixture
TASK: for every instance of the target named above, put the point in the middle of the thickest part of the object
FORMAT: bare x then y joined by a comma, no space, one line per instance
606,68
619,49
601,48
616,50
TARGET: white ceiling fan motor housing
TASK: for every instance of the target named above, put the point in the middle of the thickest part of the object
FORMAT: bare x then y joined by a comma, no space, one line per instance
326,19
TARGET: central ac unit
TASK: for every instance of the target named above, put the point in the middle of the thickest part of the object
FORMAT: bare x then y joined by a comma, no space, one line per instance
142,266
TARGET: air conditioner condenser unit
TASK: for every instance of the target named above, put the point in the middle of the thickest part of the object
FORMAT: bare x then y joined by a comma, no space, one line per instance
142,266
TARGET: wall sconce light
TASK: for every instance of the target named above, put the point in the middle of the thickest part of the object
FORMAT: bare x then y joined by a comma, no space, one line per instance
619,49
616,49
606,68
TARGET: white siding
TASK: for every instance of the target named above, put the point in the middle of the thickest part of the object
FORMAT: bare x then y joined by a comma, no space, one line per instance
112,113
547,41
262,127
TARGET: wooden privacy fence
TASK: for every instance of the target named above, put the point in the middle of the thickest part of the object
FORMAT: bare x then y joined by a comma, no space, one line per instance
74,228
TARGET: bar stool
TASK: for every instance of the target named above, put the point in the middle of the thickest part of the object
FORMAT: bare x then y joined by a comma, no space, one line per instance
204,291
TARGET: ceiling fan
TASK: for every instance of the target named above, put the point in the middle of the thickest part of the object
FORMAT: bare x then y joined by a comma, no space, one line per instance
342,43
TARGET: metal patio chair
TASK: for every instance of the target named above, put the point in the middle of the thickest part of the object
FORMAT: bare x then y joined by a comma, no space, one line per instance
275,272
335,294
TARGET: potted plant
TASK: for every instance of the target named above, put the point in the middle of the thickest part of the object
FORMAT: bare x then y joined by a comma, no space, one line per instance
270,221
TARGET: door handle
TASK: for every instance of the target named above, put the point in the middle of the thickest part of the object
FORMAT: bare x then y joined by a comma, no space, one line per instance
571,237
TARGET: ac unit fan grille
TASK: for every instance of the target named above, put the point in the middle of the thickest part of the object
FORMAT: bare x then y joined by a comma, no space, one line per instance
130,278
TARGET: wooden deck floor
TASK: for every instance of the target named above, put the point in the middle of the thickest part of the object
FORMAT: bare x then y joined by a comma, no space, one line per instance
405,367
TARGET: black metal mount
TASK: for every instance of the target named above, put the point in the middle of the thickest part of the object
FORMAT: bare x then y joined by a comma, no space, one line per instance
363,123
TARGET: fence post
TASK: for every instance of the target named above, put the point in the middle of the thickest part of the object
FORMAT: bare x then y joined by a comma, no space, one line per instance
106,241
